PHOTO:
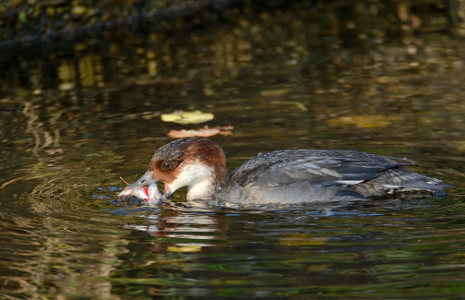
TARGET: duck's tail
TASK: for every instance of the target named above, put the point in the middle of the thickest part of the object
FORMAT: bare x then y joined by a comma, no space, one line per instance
400,181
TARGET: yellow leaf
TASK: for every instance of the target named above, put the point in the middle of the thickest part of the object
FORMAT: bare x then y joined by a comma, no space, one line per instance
187,117
460,145
184,248
79,10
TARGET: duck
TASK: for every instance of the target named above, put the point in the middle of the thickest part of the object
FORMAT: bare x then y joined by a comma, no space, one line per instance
282,177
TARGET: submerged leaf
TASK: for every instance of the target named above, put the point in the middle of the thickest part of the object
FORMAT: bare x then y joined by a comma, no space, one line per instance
364,121
187,117
301,239
299,105
275,92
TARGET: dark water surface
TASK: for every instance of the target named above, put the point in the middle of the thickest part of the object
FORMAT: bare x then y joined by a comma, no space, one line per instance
75,119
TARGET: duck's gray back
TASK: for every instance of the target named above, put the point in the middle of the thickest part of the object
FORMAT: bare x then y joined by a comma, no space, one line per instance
297,176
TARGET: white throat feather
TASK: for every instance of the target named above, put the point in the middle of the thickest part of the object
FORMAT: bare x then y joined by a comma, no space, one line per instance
199,179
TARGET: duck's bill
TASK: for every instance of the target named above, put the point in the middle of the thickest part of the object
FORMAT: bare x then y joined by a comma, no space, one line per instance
137,186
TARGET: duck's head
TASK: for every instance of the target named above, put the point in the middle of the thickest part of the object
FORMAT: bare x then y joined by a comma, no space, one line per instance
197,163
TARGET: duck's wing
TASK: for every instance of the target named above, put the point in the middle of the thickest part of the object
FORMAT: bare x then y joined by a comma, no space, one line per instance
314,166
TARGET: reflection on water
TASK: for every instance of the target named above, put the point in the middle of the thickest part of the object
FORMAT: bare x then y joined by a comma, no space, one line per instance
184,231
74,120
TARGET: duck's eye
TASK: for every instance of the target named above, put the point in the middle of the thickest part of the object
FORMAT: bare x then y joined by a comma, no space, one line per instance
167,165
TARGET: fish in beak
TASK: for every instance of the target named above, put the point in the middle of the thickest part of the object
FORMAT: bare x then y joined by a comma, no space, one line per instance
143,188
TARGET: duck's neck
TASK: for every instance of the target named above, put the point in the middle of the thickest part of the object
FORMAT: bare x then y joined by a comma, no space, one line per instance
201,190
207,186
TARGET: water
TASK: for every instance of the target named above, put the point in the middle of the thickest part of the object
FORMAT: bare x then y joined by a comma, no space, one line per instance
75,120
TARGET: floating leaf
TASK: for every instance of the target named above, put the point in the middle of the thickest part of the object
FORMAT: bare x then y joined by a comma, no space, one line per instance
187,117
364,121
203,132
